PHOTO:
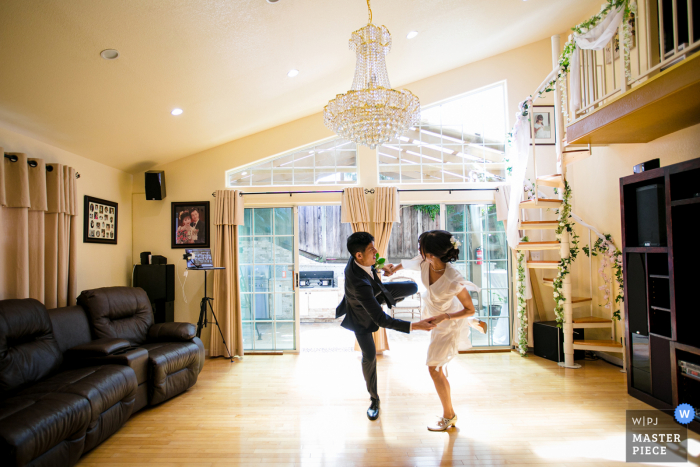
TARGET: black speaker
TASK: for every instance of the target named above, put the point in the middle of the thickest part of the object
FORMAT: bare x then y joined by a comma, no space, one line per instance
651,215
636,298
144,257
158,280
155,184
158,259
549,341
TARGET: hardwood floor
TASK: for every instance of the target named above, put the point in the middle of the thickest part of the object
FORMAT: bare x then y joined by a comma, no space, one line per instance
309,410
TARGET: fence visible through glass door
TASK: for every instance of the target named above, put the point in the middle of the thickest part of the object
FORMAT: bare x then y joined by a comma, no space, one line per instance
266,258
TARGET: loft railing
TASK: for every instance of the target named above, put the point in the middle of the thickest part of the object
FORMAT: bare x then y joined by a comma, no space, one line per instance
663,33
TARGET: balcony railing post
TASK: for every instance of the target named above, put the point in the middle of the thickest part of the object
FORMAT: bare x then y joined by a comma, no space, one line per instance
623,67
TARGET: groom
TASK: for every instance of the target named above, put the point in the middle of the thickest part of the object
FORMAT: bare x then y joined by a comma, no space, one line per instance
362,307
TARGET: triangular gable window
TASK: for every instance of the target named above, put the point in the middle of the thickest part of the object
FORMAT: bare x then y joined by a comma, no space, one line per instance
333,162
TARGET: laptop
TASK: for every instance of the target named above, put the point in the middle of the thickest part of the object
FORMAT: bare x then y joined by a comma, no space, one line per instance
200,258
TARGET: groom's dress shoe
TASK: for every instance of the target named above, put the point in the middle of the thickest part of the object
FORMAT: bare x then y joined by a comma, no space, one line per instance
373,411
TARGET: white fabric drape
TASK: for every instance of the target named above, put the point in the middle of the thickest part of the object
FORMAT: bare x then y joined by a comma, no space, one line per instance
594,39
38,231
518,153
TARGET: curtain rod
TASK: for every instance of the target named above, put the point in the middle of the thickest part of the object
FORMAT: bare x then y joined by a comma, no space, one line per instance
370,191
49,168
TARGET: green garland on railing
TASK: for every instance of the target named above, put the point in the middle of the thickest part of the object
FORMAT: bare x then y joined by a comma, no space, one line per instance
565,225
612,256
522,311
570,47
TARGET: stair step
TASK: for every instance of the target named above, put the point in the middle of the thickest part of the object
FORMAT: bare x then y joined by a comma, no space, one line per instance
542,203
592,322
538,246
547,281
553,180
576,300
601,345
574,155
543,264
538,225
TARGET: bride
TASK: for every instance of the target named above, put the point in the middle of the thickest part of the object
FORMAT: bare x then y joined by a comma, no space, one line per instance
447,300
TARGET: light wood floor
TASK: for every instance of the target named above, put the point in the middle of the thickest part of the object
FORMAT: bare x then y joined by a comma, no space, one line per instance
309,410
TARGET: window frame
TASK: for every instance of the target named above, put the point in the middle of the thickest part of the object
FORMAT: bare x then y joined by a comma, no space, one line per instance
253,166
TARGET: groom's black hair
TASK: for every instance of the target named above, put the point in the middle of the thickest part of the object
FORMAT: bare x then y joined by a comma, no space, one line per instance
357,242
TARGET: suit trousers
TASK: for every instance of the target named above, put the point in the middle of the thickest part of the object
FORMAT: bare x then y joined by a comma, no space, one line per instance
399,291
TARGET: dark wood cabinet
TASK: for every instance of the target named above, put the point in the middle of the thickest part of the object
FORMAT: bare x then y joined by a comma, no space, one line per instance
661,267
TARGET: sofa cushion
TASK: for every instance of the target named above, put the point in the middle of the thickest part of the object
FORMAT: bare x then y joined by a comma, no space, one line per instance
173,368
118,312
70,326
110,390
32,425
28,350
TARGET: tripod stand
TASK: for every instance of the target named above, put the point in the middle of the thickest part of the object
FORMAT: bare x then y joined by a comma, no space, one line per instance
203,305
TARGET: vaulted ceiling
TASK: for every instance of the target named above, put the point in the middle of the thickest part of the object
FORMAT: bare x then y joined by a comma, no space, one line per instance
225,63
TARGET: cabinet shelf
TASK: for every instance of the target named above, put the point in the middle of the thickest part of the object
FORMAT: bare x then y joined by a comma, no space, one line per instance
685,202
658,276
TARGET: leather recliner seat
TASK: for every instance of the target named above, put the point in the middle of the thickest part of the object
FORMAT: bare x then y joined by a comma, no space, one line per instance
49,416
175,355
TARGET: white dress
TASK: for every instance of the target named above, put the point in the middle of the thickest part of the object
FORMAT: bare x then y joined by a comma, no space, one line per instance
451,335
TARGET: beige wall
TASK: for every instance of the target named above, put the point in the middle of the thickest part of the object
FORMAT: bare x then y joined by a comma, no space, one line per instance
195,177
98,265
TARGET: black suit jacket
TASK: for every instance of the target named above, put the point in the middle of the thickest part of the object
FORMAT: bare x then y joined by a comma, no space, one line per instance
363,313
201,234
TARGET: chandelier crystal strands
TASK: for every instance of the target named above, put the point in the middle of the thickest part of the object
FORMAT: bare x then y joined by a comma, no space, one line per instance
371,113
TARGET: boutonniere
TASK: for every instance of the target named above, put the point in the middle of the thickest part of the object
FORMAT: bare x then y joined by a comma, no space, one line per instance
378,262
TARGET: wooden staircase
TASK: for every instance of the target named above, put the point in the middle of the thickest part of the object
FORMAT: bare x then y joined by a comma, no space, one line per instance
587,320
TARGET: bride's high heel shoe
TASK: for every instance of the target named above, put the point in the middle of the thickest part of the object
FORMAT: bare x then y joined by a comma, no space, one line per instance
443,424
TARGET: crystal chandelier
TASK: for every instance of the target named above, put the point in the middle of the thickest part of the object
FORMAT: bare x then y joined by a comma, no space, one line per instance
371,113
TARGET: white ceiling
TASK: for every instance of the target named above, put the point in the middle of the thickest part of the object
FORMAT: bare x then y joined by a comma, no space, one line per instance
225,63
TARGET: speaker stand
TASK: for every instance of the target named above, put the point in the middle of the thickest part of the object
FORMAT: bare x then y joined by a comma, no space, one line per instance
203,305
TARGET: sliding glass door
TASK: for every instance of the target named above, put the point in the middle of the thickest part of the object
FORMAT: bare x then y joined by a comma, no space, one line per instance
267,268
483,260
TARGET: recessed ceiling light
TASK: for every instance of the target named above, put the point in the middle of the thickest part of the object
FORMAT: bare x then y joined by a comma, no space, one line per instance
411,34
293,73
272,1
109,54
176,111
244,173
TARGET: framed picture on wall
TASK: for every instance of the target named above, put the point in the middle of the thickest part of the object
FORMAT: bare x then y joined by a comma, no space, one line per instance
544,125
100,221
189,224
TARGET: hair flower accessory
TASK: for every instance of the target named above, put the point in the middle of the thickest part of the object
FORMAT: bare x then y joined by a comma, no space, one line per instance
455,243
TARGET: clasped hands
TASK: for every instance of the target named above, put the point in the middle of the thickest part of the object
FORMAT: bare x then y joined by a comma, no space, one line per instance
389,269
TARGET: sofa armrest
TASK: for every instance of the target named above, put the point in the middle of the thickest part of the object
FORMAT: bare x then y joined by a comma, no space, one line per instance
98,348
135,358
172,332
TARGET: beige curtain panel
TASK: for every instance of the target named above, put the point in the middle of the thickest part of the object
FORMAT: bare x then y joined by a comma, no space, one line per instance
353,209
228,215
386,212
39,231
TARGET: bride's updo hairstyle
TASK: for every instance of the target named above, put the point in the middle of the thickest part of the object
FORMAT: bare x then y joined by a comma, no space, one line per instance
437,243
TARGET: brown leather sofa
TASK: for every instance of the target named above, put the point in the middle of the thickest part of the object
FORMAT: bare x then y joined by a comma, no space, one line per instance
70,377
